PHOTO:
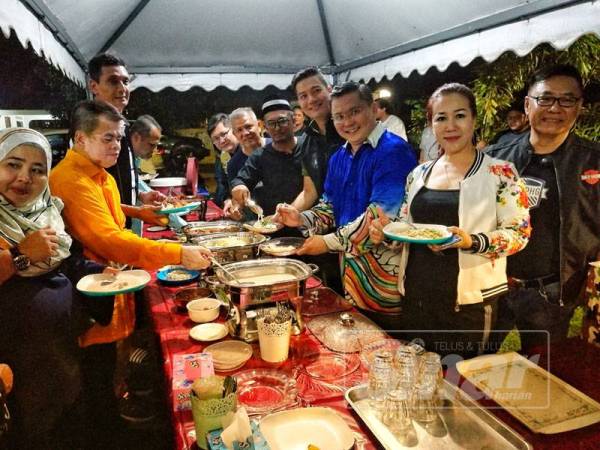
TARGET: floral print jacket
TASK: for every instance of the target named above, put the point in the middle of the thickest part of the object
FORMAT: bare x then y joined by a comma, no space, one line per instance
493,209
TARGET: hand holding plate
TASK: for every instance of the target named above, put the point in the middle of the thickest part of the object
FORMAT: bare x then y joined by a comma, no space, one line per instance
147,213
465,241
314,245
376,228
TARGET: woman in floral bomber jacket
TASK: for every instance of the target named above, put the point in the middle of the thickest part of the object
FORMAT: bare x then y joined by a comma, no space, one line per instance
483,201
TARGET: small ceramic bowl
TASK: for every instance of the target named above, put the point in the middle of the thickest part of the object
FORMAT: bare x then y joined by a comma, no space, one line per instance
203,309
186,295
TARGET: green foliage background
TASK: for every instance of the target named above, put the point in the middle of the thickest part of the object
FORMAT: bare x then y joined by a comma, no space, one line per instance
497,84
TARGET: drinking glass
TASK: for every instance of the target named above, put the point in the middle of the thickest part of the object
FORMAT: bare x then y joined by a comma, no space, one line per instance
397,414
381,379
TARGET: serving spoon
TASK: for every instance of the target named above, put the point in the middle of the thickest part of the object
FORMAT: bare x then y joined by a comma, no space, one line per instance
219,265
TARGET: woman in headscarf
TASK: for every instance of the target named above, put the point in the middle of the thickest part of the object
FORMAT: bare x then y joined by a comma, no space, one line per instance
41,314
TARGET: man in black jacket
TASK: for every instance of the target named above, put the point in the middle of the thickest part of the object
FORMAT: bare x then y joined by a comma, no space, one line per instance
562,174
109,82
320,139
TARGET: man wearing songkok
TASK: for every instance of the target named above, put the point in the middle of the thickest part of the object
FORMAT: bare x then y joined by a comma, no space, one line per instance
278,165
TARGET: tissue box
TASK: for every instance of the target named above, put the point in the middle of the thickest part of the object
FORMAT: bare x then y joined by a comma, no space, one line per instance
187,368
215,442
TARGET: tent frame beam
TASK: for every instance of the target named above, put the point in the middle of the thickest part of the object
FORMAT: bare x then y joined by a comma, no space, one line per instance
326,34
219,70
494,20
121,29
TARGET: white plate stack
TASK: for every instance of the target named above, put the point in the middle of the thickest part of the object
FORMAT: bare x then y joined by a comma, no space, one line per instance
229,355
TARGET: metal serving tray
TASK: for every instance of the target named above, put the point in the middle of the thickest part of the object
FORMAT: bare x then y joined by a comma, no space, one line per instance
462,424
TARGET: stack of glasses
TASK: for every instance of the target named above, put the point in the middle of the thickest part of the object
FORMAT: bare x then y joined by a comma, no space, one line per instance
405,386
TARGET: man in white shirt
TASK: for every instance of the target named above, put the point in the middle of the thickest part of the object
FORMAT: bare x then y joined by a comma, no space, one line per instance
393,123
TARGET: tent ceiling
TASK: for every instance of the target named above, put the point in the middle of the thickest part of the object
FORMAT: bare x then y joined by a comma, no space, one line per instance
185,43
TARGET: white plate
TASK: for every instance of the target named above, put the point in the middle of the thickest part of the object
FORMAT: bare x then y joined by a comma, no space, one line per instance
296,429
126,281
180,209
148,176
156,228
395,231
257,228
207,332
228,355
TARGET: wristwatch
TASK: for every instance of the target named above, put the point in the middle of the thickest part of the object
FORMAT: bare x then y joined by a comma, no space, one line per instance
21,261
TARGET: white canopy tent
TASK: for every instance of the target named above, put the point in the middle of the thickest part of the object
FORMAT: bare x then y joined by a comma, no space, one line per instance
255,43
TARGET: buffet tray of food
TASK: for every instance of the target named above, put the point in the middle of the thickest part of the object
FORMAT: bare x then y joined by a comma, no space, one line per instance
461,424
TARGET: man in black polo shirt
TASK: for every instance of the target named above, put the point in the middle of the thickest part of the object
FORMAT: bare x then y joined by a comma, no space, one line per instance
278,165
562,174
320,138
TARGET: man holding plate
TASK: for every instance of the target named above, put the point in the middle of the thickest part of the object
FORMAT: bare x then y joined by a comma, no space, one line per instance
278,165
95,217
369,170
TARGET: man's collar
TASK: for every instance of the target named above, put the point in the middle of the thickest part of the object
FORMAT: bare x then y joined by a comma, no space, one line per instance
86,165
372,138
285,152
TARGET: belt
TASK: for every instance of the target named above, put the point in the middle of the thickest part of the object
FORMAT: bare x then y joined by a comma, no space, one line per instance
534,282
540,284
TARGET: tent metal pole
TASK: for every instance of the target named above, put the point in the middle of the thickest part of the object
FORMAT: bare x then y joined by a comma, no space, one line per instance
130,18
326,34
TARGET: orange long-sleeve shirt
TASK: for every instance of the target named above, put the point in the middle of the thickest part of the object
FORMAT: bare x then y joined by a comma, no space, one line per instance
94,217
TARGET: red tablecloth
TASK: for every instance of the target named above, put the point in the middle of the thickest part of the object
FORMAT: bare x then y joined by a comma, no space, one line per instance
172,327
573,361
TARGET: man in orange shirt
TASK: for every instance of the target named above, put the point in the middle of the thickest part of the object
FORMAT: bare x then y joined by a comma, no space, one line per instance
95,217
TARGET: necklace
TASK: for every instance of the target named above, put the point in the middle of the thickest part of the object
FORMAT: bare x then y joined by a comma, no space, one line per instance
454,183
450,184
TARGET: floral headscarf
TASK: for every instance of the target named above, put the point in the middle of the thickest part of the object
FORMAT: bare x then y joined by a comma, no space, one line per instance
43,211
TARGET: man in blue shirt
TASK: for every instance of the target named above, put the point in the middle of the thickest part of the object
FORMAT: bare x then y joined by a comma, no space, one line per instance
370,168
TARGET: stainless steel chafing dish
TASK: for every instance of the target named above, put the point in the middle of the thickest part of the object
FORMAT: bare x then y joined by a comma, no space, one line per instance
251,295
194,229
246,249
253,292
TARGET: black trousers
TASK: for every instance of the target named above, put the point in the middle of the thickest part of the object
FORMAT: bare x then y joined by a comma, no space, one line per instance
540,320
102,419
464,332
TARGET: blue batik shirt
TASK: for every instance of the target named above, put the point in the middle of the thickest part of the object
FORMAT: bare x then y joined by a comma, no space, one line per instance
376,173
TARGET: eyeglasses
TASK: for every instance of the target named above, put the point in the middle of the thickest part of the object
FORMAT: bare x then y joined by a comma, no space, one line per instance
340,117
281,122
221,135
549,100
